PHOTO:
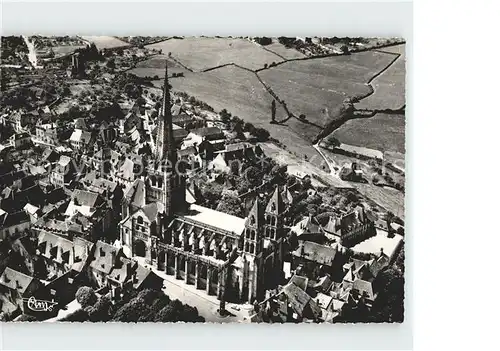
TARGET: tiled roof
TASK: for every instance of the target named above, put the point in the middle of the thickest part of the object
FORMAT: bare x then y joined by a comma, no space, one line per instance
15,280
55,247
103,257
317,253
126,170
136,193
64,161
300,281
151,210
301,302
87,198
363,286
207,132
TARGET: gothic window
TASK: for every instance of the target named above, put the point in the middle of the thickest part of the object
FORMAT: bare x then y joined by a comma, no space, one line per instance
268,220
253,234
252,220
273,207
246,247
140,220
273,221
252,248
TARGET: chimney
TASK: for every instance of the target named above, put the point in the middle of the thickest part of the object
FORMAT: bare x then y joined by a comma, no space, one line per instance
381,251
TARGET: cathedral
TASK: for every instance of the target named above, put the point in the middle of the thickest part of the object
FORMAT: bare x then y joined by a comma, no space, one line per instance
236,259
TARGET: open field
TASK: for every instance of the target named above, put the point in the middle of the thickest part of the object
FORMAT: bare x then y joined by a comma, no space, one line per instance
316,87
105,42
391,199
384,132
389,87
240,92
203,53
283,51
155,66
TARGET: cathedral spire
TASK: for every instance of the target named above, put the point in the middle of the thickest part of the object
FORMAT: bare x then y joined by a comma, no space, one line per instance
165,144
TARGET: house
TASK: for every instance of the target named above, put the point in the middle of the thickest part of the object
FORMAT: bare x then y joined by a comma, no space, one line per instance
351,228
13,224
63,173
359,280
191,156
292,304
62,254
351,172
127,172
110,268
183,120
25,246
331,308
19,121
312,258
105,159
46,133
92,210
179,133
212,134
16,289
33,212
80,139
235,154
20,140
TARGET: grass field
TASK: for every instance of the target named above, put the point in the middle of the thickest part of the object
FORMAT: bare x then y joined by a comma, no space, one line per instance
311,87
391,199
155,66
65,49
382,132
202,53
389,87
240,92
105,42
283,51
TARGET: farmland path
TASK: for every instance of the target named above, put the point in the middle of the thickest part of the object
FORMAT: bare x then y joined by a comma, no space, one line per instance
321,135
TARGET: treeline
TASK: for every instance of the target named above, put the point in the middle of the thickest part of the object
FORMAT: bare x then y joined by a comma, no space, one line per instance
139,306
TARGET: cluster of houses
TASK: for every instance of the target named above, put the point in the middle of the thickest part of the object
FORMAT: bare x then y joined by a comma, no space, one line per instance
60,210
76,213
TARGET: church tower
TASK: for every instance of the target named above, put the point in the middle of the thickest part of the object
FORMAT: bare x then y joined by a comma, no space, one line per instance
252,249
166,183
274,232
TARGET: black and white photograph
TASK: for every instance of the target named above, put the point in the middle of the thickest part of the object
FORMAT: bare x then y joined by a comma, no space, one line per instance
202,179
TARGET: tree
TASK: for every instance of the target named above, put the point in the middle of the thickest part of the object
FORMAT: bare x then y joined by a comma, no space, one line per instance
86,296
212,193
140,101
261,134
101,311
231,205
111,63
273,109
